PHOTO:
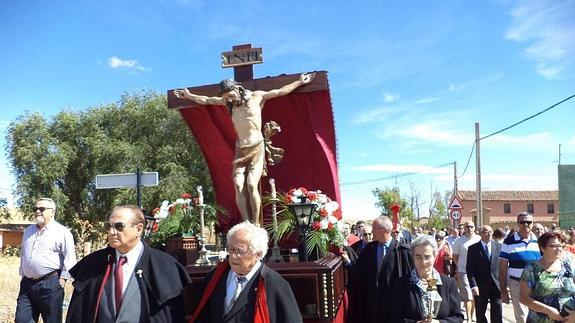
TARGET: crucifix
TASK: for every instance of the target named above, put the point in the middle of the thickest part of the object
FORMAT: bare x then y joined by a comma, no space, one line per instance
245,107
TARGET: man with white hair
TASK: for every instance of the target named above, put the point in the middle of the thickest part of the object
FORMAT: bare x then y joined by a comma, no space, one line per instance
383,260
243,288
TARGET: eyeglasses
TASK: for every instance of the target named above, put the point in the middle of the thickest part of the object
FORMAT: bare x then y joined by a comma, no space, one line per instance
118,226
525,222
41,209
556,246
237,252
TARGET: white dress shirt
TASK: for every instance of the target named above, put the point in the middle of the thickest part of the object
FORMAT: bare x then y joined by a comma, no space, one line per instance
47,250
132,258
231,281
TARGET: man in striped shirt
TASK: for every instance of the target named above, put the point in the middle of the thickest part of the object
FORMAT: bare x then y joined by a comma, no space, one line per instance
517,251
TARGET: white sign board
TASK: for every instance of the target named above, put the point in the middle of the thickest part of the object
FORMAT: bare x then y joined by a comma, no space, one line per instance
455,214
128,180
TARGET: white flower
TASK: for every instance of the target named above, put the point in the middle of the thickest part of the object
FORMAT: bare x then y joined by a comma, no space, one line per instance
180,201
331,206
323,223
332,219
163,210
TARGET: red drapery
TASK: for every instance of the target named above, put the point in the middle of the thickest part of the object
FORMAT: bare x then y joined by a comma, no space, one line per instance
308,138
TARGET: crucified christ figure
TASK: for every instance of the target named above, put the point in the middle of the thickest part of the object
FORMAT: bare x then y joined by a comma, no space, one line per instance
245,107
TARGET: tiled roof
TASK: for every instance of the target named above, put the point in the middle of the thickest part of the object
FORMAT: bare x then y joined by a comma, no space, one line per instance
13,227
510,195
539,218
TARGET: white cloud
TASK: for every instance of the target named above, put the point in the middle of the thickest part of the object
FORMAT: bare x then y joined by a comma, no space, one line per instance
548,28
436,131
392,168
131,64
494,182
426,100
390,97
539,141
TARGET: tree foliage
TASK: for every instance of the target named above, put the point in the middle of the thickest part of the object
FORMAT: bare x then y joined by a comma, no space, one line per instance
60,156
388,196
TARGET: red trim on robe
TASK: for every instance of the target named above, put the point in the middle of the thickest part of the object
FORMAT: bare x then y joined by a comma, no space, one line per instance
261,313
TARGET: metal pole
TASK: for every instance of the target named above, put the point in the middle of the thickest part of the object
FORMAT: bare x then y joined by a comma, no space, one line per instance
454,178
139,187
478,176
276,254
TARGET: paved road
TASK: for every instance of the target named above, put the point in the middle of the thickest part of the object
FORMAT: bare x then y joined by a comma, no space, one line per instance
508,316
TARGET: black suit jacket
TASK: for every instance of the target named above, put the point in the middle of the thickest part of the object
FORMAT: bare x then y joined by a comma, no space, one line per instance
481,271
408,307
369,292
282,306
161,282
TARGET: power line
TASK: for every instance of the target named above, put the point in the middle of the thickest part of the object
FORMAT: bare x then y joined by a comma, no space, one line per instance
511,126
394,176
528,118
468,160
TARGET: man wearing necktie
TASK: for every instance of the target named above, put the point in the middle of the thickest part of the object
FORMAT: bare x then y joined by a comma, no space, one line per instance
380,262
483,273
243,289
128,281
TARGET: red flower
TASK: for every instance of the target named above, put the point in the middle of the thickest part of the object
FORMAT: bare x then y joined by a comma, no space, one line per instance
316,226
330,226
155,227
323,213
156,211
303,190
312,196
289,198
337,214
290,192
186,195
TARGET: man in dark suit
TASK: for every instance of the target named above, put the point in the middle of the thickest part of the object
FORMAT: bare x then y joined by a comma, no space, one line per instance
243,289
381,261
483,273
127,281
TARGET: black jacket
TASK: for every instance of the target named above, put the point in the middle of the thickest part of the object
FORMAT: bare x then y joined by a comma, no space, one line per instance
408,308
281,303
161,283
370,294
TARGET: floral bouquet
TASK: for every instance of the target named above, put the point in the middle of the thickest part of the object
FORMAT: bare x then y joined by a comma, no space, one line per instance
325,234
180,218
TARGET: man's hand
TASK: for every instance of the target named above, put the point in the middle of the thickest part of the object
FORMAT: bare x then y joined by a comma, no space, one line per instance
304,78
182,93
475,291
62,282
505,296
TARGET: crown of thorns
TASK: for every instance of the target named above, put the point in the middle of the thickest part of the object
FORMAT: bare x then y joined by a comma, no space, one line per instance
228,85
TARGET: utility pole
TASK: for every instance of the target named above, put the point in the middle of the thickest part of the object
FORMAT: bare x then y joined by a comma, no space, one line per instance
478,177
454,178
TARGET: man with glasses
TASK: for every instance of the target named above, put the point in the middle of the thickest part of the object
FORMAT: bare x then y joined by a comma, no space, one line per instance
127,281
518,250
243,288
460,248
47,254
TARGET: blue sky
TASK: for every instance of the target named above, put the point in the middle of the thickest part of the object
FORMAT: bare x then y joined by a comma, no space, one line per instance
408,79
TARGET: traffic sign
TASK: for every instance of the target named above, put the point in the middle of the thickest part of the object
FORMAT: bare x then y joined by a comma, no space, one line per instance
455,204
455,214
126,180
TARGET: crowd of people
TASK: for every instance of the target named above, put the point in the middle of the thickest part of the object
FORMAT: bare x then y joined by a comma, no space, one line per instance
447,275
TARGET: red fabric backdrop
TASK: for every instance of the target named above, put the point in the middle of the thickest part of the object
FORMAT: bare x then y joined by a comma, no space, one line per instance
308,138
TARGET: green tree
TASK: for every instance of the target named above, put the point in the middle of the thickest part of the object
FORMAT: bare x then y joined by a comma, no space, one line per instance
438,212
386,197
60,156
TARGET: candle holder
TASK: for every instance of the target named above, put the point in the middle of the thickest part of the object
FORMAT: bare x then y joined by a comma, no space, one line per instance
203,253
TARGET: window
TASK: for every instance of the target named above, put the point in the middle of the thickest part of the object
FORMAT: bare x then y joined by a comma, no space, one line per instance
530,208
506,207
550,208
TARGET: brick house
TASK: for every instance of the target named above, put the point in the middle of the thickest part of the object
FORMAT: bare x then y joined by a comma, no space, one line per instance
12,230
500,208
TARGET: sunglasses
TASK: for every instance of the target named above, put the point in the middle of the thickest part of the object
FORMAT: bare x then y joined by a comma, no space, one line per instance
41,209
525,222
470,226
118,226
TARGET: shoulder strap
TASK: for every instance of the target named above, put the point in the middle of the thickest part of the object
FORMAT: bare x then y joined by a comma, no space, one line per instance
218,273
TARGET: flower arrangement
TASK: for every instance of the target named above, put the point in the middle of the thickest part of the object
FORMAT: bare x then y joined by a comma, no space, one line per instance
326,224
180,218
